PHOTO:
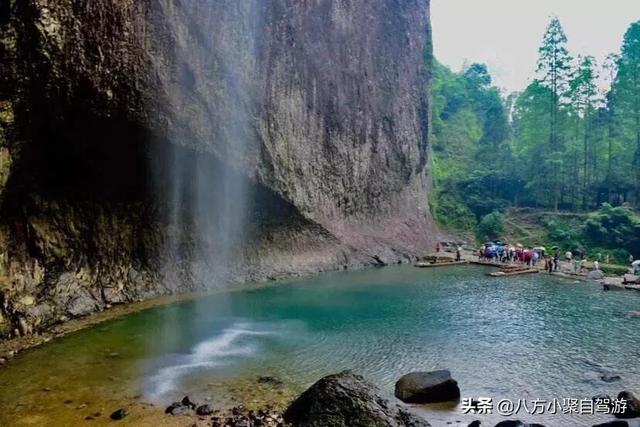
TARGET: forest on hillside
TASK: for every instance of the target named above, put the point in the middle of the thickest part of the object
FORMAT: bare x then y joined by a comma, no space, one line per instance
564,143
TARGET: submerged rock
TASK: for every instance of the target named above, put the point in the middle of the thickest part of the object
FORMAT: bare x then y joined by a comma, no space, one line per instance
633,405
347,400
610,378
272,381
427,387
119,414
614,287
178,408
205,409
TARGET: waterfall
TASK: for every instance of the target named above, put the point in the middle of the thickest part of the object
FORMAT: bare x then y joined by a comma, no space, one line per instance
203,182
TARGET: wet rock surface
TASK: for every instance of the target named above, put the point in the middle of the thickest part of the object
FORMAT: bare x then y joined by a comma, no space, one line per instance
347,400
427,387
632,409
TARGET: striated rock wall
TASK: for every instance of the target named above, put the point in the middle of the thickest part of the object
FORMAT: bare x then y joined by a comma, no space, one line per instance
330,99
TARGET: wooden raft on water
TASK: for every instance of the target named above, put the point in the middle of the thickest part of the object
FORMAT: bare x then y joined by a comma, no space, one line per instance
514,270
436,261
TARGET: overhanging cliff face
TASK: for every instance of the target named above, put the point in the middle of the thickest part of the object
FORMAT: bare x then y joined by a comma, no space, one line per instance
329,97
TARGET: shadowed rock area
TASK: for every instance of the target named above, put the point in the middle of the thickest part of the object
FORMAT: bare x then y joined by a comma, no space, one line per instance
347,400
330,99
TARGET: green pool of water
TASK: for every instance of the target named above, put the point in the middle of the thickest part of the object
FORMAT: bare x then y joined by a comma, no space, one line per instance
528,337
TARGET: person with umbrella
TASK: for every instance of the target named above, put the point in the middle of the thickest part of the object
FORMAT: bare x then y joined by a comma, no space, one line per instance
636,267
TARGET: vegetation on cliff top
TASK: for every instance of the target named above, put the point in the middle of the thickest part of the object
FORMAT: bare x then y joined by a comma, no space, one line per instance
562,144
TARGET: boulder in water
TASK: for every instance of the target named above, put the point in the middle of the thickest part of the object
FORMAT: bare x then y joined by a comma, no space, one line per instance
633,405
427,387
614,287
188,402
347,400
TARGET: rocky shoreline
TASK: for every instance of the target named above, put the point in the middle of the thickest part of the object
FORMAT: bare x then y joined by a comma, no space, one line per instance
347,399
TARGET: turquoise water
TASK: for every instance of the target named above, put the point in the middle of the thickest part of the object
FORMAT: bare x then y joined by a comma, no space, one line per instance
528,337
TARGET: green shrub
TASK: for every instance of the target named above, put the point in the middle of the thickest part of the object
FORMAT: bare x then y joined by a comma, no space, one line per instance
616,270
564,235
451,212
491,226
616,256
616,228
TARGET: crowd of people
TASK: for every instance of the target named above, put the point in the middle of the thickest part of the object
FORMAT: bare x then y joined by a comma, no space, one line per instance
532,256
500,252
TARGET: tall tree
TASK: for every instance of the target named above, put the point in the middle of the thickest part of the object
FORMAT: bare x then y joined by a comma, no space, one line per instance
627,94
554,67
610,70
584,96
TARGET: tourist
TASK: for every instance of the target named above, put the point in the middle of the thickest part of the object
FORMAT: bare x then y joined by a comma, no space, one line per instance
568,256
549,265
607,259
635,265
556,261
437,247
458,253
596,265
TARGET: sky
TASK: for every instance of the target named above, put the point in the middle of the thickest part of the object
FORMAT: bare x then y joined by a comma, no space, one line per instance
506,34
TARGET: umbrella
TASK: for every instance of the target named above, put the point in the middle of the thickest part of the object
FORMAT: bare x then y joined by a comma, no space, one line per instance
519,245
555,248
636,263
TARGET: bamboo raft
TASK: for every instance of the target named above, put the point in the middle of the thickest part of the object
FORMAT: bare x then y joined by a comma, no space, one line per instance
491,264
514,270
439,264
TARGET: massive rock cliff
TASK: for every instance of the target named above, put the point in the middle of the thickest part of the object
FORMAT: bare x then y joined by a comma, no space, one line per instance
320,108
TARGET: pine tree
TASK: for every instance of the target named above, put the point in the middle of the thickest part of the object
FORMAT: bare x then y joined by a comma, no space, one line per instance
584,96
610,70
554,67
